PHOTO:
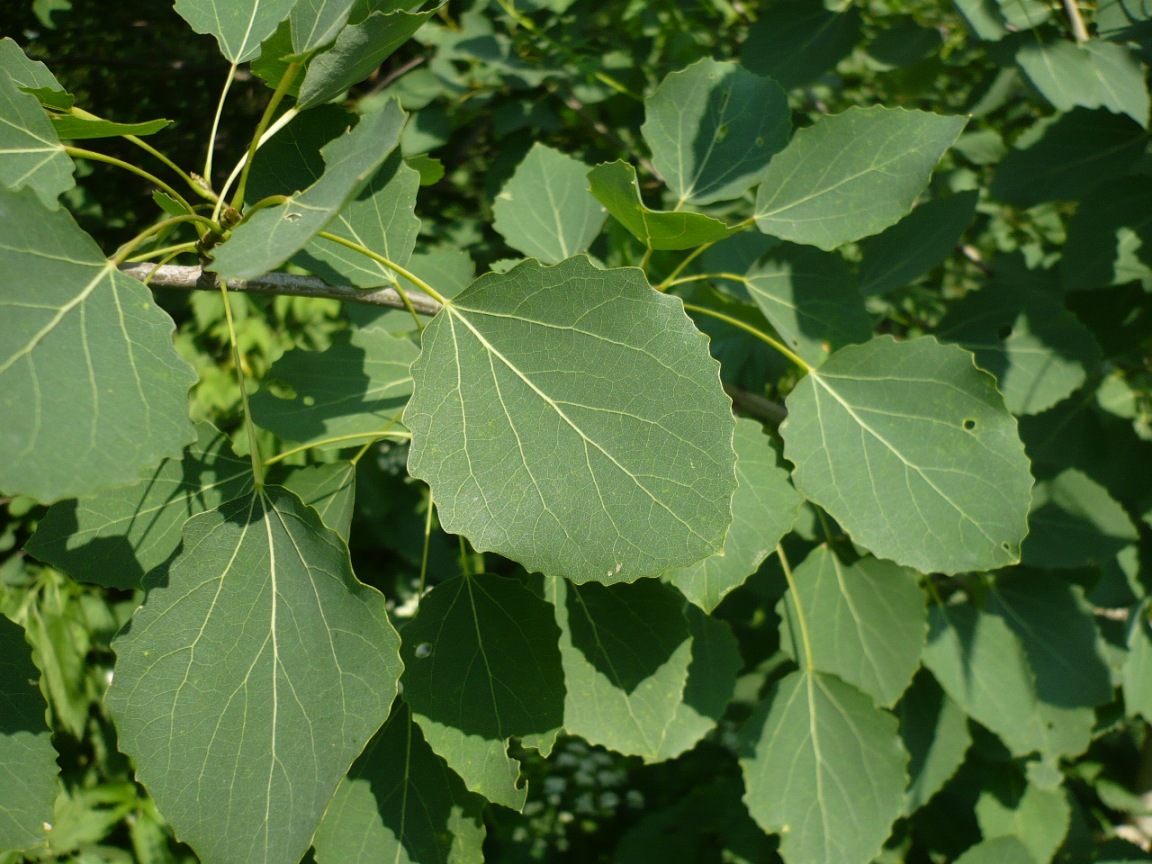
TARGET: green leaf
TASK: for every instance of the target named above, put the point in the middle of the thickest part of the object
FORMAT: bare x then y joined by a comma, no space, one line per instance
115,538
914,245
909,447
402,802
570,418
545,209
866,623
28,769
69,321
32,76
315,23
796,43
713,128
1092,74
1066,158
614,185
763,509
78,125
381,218
935,733
823,768
347,394
1137,670
851,175
642,679
483,764
252,677
998,850
1110,237
1009,806
1075,523
331,489
811,300
1022,333
31,154
359,49
982,665
238,25
274,234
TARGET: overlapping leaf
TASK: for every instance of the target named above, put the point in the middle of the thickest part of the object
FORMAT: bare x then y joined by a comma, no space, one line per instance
401,801
1092,74
1110,237
796,43
908,445
763,509
713,128
31,154
274,234
1137,671
483,764
27,758
1010,806
935,733
32,76
614,185
252,677
851,175
823,768
571,418
238,25
77,125
545,209
1076,523
69,321
315,23
865,624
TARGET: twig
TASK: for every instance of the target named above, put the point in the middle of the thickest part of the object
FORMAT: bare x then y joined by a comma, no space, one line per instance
289,284
757,405
1079,31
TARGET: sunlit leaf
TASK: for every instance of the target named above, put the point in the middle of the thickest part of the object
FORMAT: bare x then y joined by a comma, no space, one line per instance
484,764
1092,74
91,389
31,154
997,850
545,209
851,175
330,488
238,25
32,76
909,447
1010,806
713,128
763,509
78,125
315,23
823,768
269,665
571,418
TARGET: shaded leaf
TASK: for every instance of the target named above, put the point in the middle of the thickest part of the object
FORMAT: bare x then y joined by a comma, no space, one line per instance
914,245
796,43
823,768
28,768
811,300
1075,523
402,802
614,185
32,76
545,209
260,666
935,733
851,175
69,319
909,447
331,489
1110,237
1092,74
483,764
352,391
544,420
763,509
713,128
866,623
1137,671
1009,806
31,154
274,234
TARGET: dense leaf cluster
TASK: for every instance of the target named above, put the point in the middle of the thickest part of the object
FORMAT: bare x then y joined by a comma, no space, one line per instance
778,490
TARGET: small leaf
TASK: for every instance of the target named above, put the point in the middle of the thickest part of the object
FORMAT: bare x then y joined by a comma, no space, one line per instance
71,321
32,76
1009,806
614,185
866,623
352,391
1092,74
570,418
77,125
811,300
823,768
935,733
28,770
909,447
315,23
545,209
331,489
796,43
851,175
713,128
914,245
31,154
273,235
998,850
763,509
259,666
359,49
238,25
401,801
